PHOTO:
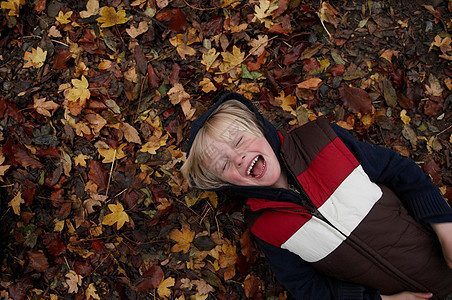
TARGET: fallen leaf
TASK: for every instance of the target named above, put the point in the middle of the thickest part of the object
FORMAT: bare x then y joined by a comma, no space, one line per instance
286,102
112,154
233,59
81,160
35,58
13,6
44,107
136,31
259,45
117,215
163,289
311,84
91,291
109,17
130,133
355,99
175,18
15,203
37,261
182,238
433,87
329,14
209,58
263,11
405,119
63,18
73,281
389,93
92,8
181,47
80,92
387,54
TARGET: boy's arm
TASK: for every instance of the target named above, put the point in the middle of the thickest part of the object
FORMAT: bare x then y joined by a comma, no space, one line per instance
304,282
420,196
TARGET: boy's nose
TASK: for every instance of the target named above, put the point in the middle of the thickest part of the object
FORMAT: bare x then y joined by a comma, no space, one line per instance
239,158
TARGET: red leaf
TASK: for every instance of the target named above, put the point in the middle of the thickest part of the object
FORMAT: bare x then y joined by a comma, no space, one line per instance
28,196
174,76
215,25
97,245
337,70
153,79
431,107
53,243
37,261
98,174
18,290
310,64
83,268
154,276
433,169
19,156
254,66
175,18
63,55
248,249
355,99
404,101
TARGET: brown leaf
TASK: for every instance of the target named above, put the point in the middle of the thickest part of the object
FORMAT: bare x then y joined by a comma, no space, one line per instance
175,18
140,59
389,93
355,99
251,285
37,261
432,168
98,174
153,79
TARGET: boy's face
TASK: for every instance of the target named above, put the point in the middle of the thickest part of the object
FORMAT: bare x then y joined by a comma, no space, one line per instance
241,158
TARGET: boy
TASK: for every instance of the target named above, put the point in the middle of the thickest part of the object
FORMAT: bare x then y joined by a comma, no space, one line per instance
329,213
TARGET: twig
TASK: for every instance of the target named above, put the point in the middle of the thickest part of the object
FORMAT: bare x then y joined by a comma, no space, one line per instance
111,171
444,130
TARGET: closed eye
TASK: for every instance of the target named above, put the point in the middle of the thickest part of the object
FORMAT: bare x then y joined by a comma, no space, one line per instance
239,141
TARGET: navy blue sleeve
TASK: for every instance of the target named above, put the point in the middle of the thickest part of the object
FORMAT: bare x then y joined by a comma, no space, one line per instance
420,196
304,282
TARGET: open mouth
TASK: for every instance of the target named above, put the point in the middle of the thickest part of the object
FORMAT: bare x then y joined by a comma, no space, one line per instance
257,167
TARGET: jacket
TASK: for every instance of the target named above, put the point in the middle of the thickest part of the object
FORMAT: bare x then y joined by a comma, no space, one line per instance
343,231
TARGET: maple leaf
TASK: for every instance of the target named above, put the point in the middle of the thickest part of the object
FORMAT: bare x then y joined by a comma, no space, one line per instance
286,102
13,6
207,85
111,154
80,92
35,58
209,58
81,160
118,216
109,17
259,45
163,289
433,87
5,168
134,31
233,59
63,18
15,203
91,292
92,8
183,239
44,107
73,281
263,11
182,48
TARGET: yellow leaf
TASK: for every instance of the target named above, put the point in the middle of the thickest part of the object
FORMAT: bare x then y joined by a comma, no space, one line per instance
63,18
286,102
92,8
182,238
44,107
118,216
13,6
35,58
209,58
155,142
405,119
59,225
163,289
229,256
91,292
109,17
181,47
111,154
80,92
207,85
15,203
448,83
5,168
233,59
450,139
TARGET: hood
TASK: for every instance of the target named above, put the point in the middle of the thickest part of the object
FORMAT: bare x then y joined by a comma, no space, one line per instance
270,134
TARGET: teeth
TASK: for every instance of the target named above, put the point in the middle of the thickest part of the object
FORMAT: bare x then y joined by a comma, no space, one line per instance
252,165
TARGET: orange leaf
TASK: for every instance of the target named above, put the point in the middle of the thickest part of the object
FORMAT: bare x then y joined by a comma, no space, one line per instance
182,238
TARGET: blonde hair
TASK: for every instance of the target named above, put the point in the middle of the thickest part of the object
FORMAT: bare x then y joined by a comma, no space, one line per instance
239,118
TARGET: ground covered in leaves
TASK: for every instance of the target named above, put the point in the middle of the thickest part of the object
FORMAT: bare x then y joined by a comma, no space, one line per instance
96,102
